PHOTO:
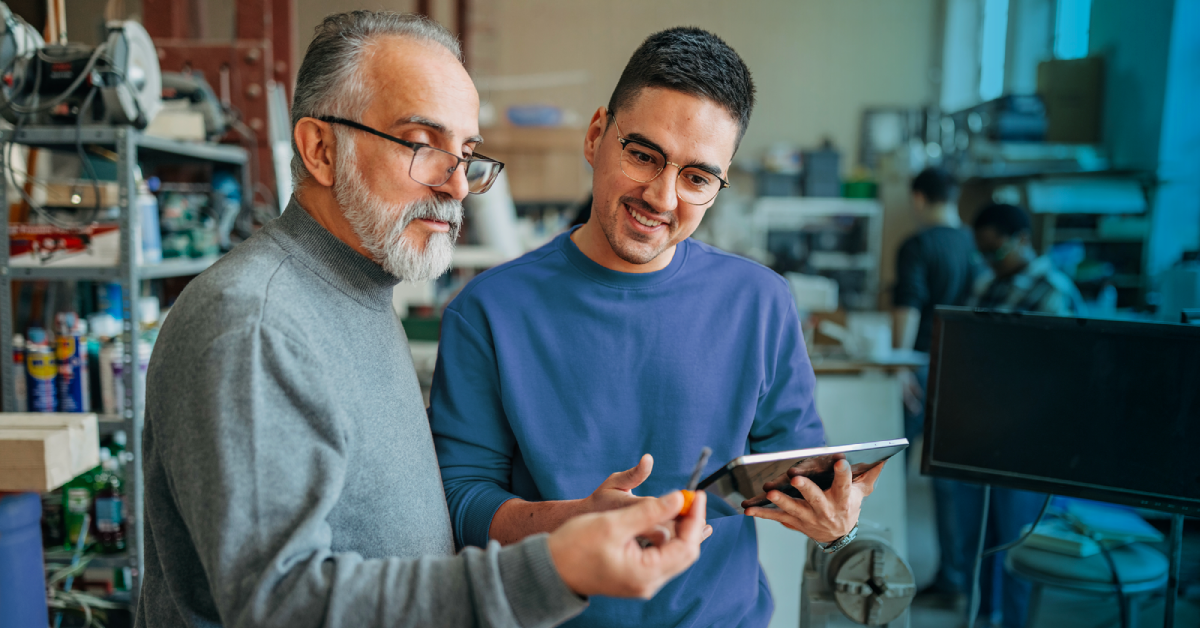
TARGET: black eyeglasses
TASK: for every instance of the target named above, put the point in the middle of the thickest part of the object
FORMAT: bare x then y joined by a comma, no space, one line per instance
643,163
434,166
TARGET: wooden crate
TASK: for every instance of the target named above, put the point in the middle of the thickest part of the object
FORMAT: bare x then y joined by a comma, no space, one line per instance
41,452
543,164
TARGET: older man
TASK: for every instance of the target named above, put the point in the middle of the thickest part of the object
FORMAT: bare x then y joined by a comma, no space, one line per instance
290,473
631,337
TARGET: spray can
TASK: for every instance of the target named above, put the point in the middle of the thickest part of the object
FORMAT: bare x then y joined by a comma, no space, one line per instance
72,364
41,372
18,366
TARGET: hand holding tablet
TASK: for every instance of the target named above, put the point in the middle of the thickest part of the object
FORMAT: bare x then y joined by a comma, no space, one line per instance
809,490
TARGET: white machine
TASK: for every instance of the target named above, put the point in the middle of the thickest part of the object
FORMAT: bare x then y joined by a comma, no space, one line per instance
59,83
866,583
18,40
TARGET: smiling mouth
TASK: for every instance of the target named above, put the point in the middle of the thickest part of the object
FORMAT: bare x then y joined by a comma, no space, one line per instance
643,220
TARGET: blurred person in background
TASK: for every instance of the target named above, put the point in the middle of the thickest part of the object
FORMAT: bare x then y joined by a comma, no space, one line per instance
936,266
1018,281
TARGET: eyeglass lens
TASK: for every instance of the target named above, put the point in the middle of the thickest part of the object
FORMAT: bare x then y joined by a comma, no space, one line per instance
643,164
434,167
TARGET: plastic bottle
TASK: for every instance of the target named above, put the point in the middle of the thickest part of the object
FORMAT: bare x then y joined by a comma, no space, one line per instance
107,511
77,502
108,297
18,367
116,446
118,371
41,372
151,237
106,330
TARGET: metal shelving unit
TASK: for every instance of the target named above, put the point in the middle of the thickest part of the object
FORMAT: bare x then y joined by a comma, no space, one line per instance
132,148
793,213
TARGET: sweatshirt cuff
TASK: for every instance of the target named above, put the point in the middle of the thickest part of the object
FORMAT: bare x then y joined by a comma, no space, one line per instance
479,509
536,593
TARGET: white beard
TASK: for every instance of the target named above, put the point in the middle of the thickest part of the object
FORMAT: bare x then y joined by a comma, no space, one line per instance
380,225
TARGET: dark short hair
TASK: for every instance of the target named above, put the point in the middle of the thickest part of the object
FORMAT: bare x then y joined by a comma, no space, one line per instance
935,184
693,61
1008,220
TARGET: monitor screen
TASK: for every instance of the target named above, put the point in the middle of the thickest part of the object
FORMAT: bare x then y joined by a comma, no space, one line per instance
1106,410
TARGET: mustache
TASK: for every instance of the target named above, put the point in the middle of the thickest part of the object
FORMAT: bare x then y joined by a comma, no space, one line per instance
449,211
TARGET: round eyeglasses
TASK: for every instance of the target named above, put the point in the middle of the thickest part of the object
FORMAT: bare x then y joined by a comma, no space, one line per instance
643,163
433,166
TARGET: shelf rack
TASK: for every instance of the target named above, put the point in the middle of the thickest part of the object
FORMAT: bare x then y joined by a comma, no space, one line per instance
132,147
796,212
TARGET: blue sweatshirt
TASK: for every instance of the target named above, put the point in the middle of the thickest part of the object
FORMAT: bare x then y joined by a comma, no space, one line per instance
554,372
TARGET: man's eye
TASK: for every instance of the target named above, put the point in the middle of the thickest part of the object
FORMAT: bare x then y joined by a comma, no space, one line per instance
641,157
698,180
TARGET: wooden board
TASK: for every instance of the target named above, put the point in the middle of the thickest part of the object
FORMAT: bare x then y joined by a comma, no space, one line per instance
41,452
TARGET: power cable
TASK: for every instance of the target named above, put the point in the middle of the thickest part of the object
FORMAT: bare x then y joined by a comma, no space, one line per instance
1028,533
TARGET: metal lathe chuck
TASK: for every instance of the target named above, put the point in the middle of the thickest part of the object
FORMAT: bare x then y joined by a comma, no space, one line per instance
866,583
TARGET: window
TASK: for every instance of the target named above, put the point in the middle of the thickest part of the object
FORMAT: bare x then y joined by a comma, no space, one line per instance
991,58
1072,20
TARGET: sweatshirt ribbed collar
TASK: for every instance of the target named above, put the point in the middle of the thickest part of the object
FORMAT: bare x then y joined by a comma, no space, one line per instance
333,260
614,278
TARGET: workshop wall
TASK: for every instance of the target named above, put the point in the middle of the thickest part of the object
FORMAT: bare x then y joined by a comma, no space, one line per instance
816,63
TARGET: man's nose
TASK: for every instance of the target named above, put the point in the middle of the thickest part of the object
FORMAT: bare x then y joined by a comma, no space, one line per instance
456,186
660,193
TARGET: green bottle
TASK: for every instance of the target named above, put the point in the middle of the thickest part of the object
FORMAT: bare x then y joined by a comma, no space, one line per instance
107,512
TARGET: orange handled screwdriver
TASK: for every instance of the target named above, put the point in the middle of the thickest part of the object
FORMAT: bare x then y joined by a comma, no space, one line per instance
689,493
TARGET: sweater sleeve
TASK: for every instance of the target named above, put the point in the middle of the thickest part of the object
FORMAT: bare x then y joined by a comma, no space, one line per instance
786,417
475,443
256,458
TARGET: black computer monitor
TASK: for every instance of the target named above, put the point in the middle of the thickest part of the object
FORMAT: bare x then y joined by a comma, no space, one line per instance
1105,410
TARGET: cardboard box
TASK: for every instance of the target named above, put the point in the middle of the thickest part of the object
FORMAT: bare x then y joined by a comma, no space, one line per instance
59,194
41,452
543,164
1072,90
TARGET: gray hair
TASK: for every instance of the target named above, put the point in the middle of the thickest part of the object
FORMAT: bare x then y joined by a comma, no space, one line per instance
330,81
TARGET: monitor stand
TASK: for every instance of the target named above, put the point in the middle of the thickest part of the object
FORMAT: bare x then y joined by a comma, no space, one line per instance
1176,557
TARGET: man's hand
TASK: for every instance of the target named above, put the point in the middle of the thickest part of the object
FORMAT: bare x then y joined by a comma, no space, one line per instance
823,517
599,554
617,491
517,518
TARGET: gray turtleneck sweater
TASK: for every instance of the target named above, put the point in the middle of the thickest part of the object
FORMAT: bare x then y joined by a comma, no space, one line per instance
290,475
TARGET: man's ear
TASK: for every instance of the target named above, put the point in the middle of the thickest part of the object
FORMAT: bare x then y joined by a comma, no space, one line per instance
595,131
314,141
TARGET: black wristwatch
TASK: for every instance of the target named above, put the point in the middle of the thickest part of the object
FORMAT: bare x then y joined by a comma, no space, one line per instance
838,544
